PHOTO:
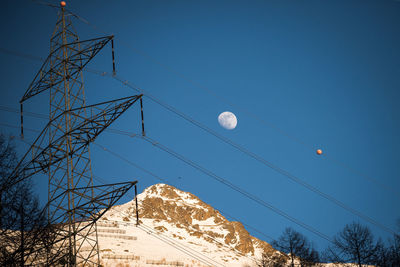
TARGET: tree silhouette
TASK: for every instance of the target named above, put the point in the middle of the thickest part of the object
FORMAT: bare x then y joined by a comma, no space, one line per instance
19,210
392,253
395,251
354,244
297,247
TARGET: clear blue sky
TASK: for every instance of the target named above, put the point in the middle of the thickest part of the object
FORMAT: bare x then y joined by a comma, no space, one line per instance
325,72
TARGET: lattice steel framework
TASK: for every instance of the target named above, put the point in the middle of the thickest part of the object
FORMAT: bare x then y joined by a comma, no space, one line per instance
62,150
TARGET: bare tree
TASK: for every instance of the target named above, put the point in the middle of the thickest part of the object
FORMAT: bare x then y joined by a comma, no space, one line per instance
297,247
354,244
8,160
382,255
388,256
391,255
19,210
395,250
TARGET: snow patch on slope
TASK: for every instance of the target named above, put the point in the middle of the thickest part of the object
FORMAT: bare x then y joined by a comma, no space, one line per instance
177,228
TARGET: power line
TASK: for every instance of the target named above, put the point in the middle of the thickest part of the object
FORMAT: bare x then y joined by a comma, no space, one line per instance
242,108
168,182
43,116
209,91
256,157
250,154
132,163
194,254
247,225
186,251
19,54
236,188
227,183
28,113
331,159
343,165
171,183
183,248
148,172
18,127
205,233
260,159
96,177
328,197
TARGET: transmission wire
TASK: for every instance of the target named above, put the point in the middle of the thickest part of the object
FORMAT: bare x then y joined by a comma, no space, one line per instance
337,162
211,92
142,169
251,154
229,184
243,109
255,156
260,159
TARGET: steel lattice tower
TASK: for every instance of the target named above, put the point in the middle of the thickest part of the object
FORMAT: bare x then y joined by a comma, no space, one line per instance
71,172
62,151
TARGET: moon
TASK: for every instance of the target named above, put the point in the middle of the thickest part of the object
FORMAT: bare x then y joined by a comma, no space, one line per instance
227,120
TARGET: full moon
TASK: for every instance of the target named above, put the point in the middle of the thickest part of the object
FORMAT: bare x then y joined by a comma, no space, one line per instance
227,120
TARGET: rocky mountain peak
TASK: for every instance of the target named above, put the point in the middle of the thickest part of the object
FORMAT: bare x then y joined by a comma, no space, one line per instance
165,202
182,214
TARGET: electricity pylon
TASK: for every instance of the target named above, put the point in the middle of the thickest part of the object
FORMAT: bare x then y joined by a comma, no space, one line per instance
62,151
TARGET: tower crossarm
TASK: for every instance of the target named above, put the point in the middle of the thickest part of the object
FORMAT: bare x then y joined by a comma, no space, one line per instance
51,74
84,131
52,236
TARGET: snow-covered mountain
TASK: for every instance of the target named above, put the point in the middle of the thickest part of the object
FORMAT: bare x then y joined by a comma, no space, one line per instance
176,229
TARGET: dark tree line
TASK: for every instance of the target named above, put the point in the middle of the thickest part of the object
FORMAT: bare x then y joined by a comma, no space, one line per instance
299,251
354,244
298,248
24,227
20,214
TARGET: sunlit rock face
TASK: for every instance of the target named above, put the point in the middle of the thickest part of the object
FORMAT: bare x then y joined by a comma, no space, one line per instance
170,217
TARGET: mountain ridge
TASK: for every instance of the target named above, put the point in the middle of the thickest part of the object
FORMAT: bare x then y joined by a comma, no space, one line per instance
185,218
